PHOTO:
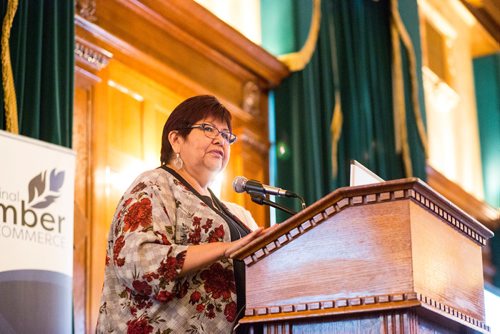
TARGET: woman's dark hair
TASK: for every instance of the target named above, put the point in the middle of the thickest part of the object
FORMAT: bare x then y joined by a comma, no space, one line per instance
188,113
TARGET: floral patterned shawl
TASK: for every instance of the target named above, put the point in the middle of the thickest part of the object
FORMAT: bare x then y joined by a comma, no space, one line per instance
156,220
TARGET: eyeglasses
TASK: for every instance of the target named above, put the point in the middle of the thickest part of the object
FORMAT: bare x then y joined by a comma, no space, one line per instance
212,132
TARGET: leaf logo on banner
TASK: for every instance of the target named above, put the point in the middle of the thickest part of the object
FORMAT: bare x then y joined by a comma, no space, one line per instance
36,186
39,195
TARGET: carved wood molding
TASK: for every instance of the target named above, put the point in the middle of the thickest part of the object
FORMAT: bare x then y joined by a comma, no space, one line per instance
345,305
251,98
448,218
355,305
253,140
333,307
480,210
178,42
486,12
186,25
90,54
421,195
209,30
86,9
451,312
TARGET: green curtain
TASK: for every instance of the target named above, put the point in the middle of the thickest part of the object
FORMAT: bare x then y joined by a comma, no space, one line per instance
42,53
303,107
357,32
487,86
409,15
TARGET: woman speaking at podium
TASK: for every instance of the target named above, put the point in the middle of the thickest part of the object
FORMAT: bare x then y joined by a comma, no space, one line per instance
168,263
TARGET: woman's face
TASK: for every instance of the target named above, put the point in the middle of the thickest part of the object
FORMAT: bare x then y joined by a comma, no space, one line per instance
202,154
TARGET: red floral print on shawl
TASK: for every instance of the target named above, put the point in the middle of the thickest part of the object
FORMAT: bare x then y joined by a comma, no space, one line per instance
140,213
230,311
168,268
163,215
208,225
164,239
140,302
142,287
218,281
217,234
210,313
119,243
195,235
139,326
195,297
138,187
164,296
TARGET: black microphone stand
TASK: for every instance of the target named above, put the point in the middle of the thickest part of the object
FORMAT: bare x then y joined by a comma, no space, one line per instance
261,199
301,199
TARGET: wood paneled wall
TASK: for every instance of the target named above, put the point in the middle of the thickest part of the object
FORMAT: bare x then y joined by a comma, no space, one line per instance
135,61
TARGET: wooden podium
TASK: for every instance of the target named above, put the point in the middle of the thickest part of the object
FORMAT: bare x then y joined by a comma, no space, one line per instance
393,257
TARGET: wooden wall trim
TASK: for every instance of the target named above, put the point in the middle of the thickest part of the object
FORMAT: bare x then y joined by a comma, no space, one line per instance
487,14
156,67
186,25
93,56
202,25
253,140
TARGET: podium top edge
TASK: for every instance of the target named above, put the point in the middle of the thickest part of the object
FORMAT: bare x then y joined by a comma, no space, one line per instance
413,184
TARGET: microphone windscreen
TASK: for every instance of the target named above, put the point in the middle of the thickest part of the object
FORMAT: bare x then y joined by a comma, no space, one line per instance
239,184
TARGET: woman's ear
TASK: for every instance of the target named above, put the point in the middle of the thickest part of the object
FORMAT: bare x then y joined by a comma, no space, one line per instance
175,140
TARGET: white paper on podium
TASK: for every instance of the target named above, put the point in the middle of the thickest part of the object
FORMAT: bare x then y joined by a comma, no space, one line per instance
360,175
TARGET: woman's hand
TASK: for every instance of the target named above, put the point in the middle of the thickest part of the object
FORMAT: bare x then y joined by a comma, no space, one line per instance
199,256
237,244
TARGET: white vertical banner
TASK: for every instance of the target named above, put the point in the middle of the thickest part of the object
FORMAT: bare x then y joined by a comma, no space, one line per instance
36,235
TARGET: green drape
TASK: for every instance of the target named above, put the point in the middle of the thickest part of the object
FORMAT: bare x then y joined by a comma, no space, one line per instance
303,106
409,14
487,86
358,33
42,53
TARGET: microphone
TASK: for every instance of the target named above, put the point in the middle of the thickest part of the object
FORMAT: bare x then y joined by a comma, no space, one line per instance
241,184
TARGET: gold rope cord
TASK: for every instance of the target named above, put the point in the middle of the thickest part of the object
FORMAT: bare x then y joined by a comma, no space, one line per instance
398,100
398,25
296,61
336,131
7,76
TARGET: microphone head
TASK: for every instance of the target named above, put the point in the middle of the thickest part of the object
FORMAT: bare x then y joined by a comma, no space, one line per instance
239,183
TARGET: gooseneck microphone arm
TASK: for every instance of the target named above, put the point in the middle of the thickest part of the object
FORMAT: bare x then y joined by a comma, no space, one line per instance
261,200
258,192
301,199
242,184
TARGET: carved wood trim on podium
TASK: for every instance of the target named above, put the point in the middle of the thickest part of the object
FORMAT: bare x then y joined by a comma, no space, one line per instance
480,210
364,251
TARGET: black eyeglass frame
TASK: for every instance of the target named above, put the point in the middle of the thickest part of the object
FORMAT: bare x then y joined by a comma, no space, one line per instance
228,136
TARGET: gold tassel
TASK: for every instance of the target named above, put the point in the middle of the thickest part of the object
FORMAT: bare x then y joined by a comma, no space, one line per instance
336,131
296,61
398,100
398,26
9,89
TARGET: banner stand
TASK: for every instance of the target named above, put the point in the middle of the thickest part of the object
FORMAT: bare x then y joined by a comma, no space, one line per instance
36,235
